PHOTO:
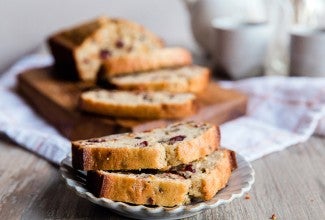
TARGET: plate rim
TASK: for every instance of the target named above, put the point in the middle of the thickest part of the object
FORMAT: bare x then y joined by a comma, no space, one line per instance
141,210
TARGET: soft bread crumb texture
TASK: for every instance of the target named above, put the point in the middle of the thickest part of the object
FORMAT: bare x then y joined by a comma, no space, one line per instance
157,149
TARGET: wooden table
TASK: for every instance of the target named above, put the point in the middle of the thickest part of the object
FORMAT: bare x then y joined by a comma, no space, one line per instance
289,184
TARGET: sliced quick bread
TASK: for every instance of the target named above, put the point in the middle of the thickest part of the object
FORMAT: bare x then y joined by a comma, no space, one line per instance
145,61
193,79
157,149
145,189
200,179
78,51
141,105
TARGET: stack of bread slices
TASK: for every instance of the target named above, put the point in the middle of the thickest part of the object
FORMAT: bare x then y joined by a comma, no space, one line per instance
149,81
167,166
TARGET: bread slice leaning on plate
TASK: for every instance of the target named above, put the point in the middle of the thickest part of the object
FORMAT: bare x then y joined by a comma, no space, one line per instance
200,179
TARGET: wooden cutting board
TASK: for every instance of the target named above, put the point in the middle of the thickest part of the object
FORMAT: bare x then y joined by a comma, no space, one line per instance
57,101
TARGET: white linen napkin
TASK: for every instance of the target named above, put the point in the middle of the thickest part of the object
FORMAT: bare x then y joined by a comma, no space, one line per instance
282,111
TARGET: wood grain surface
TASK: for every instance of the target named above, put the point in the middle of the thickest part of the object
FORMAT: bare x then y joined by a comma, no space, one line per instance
57,101
289,184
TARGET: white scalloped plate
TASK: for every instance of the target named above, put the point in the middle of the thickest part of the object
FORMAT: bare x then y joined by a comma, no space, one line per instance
240,182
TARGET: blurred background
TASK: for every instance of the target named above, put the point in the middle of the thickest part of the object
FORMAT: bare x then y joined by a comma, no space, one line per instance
26,24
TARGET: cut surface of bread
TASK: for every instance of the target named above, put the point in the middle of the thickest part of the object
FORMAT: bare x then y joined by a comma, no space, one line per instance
78,51
157,149
143,105
208,175
145,61
183,79
200,179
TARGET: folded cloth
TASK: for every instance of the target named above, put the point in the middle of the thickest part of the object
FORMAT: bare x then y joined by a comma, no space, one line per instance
21,124
282,111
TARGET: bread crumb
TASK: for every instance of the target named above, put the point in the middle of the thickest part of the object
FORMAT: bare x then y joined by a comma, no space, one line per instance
247,196
273,217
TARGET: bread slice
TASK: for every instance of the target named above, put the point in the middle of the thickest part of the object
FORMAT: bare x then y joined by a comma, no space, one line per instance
209,174
157,149
145,189
142,105
193,79
200,179
151,60
78,51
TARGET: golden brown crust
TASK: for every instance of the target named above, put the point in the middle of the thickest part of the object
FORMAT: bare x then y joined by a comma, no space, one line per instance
148,190
233,159
195,84
141,62
92,158
142,110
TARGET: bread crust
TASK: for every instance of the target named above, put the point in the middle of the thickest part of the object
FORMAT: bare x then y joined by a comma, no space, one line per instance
148,190
92,158
193,84
64,58
151,60
66,46
141,111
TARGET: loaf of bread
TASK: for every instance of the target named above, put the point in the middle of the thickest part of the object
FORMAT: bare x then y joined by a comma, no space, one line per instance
200,179
145,61
193,79
78,51
140,105
160,148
